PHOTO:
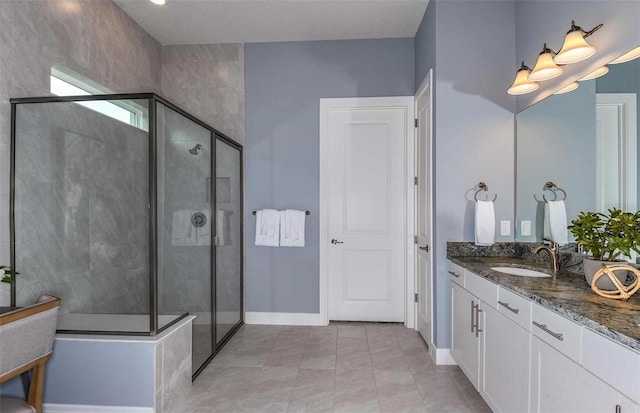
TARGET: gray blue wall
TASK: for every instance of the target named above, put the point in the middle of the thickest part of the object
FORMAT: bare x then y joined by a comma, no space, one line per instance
284,82
474,128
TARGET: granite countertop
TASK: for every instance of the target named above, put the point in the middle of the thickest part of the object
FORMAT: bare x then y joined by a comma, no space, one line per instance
567,294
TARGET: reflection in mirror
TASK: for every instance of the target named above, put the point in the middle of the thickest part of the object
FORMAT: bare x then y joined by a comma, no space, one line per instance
585,142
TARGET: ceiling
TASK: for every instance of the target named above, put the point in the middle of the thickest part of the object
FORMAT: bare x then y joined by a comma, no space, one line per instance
240,21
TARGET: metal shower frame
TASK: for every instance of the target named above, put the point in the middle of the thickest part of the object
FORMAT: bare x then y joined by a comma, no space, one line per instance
215,135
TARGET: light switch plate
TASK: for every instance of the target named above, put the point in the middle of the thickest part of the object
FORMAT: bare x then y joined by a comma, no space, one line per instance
525,228
505,228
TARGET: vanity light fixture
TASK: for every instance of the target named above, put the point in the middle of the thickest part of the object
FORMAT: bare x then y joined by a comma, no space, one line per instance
630,55
569,88
522,84
545,68
159,2
575,48
595,74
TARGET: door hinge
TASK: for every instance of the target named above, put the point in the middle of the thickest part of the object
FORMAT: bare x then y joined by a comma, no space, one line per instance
415,180
415,239
416,122
415,297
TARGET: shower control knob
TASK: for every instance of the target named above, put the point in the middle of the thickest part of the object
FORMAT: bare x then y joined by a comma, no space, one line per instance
335,241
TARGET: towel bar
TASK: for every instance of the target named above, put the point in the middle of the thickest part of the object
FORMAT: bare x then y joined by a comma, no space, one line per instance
305,212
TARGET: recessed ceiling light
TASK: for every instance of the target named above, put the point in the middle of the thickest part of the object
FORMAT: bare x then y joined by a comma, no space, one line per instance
633,54
159,2
595,74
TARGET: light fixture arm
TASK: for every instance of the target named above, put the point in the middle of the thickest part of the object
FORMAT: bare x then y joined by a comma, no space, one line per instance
585,33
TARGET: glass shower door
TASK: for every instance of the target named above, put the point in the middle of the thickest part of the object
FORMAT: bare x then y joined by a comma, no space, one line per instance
229,288
184,227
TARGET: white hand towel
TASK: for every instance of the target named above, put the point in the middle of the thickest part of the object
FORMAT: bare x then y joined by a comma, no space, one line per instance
292,228
223,226
268,227
485,223
555,222
182,232
203,234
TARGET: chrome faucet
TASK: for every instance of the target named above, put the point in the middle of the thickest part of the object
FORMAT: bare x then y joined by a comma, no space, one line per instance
554,252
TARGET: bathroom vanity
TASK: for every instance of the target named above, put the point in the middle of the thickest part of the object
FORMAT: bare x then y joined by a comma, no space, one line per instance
542,344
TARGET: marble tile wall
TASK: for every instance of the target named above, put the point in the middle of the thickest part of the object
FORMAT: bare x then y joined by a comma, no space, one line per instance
173,367
81,209
94,38
207,81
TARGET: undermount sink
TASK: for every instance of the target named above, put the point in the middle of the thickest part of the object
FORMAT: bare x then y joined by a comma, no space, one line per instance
520,272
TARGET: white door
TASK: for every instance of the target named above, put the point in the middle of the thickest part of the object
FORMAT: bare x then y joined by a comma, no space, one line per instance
616,149
365,181
465,346
423,211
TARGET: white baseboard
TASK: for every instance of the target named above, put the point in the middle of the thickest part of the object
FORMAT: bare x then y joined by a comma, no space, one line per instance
442,356
83,408
283,319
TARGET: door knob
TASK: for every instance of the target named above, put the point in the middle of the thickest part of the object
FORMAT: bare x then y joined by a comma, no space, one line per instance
425,248
335,241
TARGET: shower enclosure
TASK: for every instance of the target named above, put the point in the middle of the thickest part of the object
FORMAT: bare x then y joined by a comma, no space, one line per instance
130,210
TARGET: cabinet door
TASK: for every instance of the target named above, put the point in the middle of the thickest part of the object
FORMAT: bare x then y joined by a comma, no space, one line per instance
560,385
505,353
464,344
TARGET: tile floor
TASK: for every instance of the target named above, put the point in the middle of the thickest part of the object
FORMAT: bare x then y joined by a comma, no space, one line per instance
351,368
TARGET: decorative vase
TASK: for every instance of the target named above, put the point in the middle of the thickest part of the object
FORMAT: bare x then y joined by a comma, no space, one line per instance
591,266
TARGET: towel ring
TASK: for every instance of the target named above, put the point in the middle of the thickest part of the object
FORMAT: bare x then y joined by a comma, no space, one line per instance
483,187
550,186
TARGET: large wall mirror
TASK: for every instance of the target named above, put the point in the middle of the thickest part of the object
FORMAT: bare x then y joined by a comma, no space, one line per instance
585,142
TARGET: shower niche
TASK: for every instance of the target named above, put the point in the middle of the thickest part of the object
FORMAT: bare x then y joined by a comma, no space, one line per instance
130,210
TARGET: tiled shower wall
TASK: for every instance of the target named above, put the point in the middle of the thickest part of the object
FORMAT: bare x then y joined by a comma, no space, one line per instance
207,80
97,40
93,38
82,220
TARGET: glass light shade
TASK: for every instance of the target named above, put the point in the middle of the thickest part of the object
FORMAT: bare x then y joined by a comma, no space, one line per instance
569,88
575,49
545,68
159,2
595,74
633,54
522,84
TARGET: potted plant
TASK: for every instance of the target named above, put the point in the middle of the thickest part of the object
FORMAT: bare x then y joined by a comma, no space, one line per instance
606,237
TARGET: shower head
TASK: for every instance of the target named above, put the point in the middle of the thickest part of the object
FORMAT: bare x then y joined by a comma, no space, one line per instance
195,149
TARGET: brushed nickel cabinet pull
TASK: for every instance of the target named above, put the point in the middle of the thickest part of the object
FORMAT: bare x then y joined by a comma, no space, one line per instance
472,315
618,408
454,273
508,307
544,328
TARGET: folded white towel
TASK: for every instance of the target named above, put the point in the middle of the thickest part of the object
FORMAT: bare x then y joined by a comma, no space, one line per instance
223,226
555,222
485,223
182,232
268,227
203,234
292,228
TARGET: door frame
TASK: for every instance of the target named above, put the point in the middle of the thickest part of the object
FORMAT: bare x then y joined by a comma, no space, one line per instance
408,103
426,86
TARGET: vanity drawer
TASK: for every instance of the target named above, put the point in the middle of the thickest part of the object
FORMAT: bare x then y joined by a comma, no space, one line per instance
557,331
482,288
457,274
613,363
515,307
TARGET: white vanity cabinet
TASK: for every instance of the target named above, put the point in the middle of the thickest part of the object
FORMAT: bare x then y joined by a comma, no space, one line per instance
522,357
465,343
504,357
560,385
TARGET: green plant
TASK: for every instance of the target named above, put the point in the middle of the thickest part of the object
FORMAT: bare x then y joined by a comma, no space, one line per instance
607,237
6,273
